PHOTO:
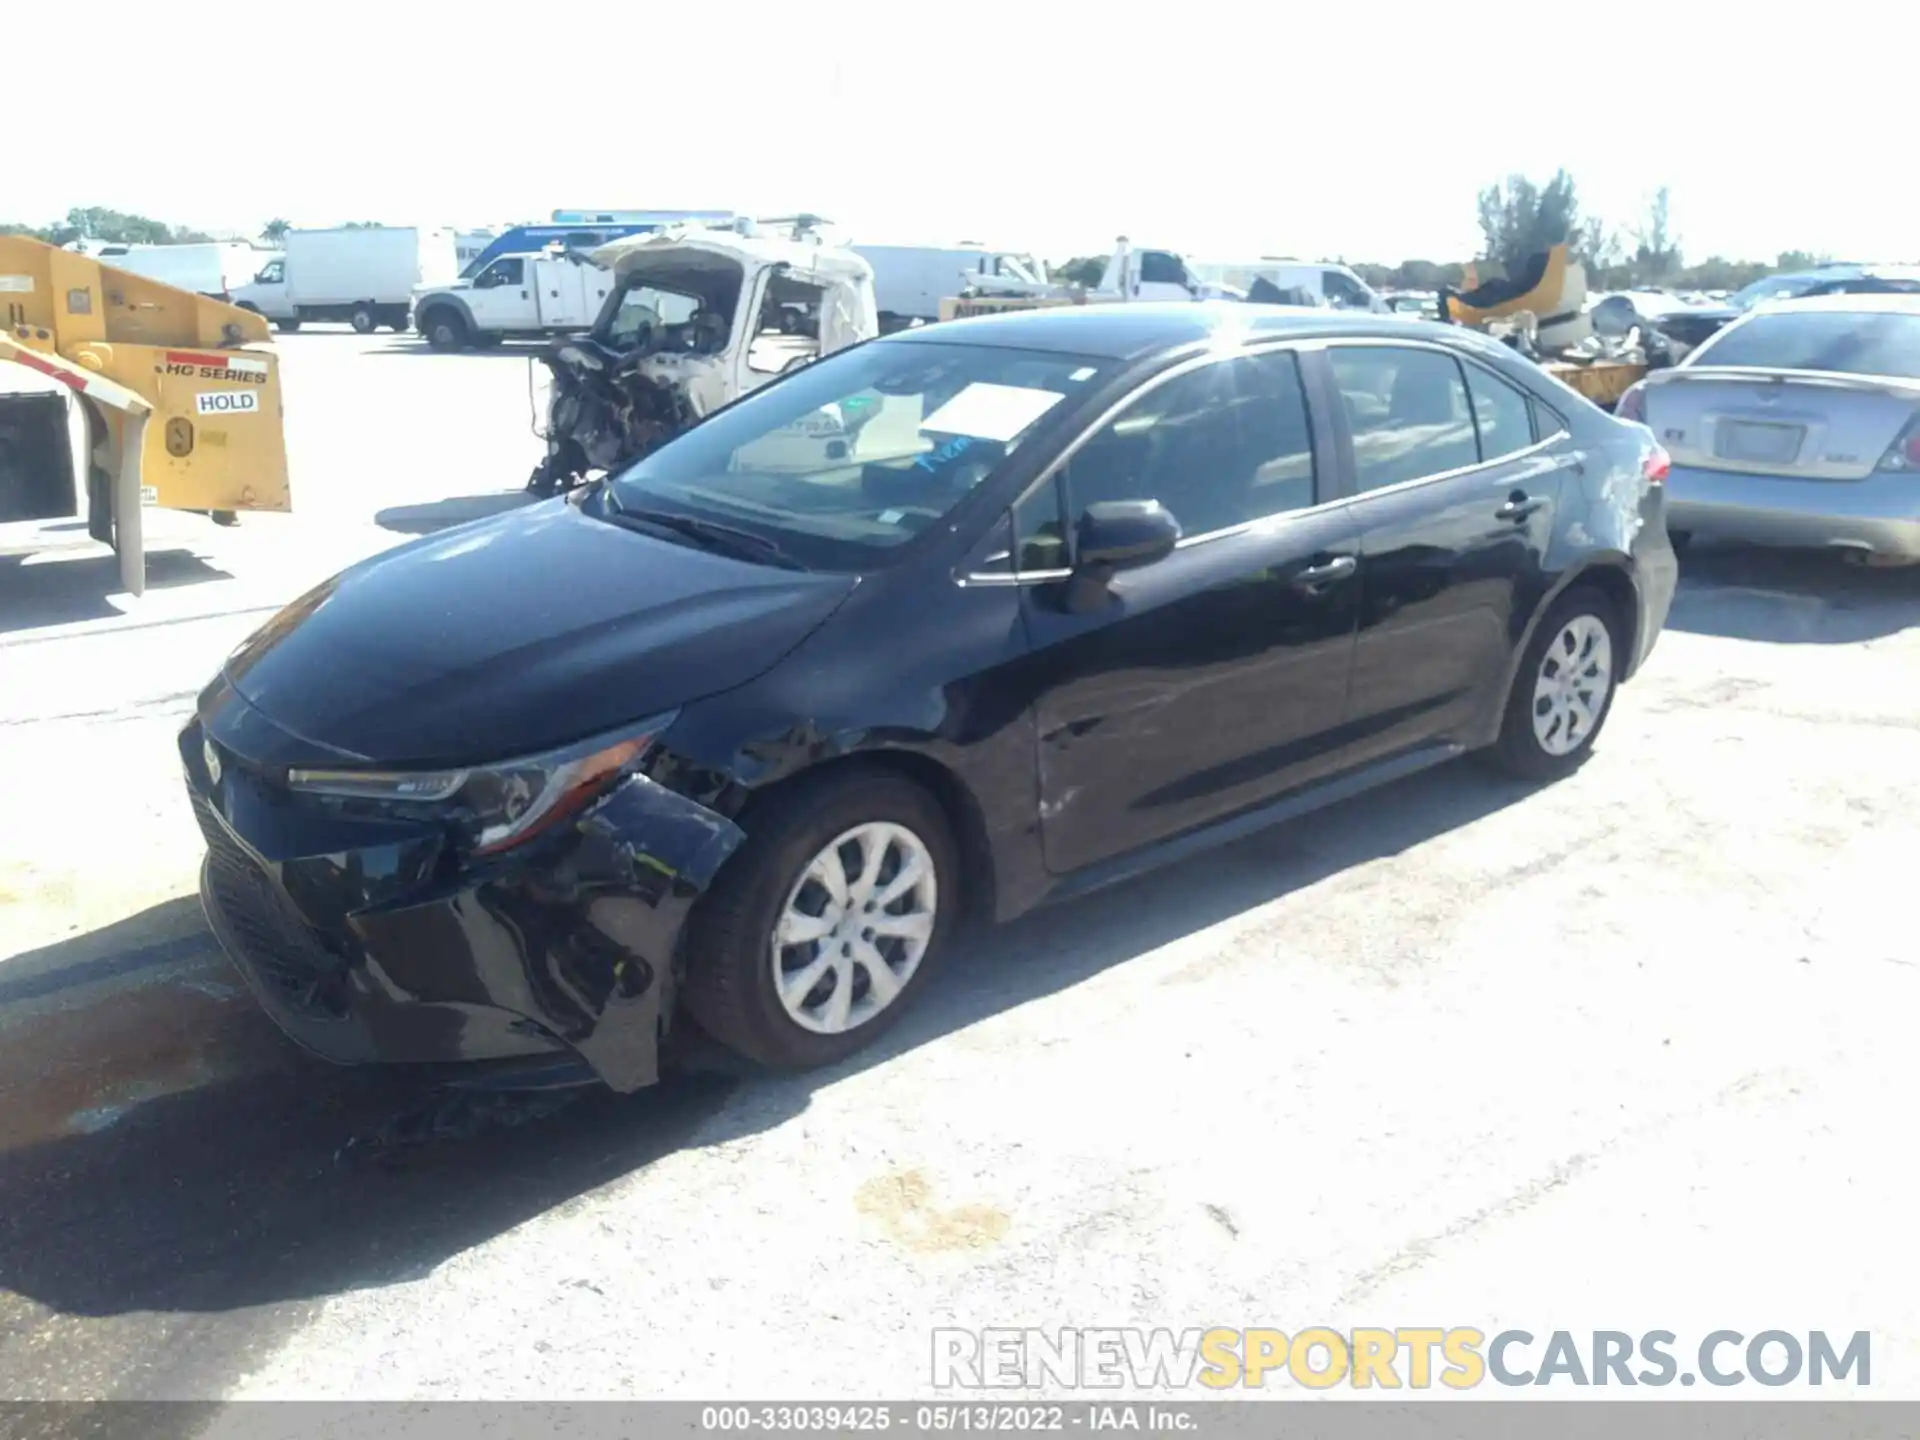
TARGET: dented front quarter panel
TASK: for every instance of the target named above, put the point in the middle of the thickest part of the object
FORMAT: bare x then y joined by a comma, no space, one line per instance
567,944
583,944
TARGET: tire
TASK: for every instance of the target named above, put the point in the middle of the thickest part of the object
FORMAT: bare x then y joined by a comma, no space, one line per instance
363,320
445,329
1585,614
287,327
223,517
488,340
730,987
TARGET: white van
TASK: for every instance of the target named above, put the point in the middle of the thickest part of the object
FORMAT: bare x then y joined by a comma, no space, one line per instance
1146,273
910,281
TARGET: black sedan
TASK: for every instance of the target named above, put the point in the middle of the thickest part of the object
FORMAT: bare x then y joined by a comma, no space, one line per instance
935,629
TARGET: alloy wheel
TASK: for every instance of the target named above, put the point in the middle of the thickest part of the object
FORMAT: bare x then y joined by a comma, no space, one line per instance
855,927
1570,691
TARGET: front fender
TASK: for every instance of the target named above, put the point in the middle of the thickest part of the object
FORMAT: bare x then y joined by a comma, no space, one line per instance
443,299
582,946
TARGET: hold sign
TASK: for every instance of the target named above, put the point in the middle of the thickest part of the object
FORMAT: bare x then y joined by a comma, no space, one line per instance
226,402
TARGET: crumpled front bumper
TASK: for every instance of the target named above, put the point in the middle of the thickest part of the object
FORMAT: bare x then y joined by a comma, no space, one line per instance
370,941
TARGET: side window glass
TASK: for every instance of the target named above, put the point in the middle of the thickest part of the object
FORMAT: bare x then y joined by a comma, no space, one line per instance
1502,413
1408,412
1157,267
1343,291
1039,536
1217,446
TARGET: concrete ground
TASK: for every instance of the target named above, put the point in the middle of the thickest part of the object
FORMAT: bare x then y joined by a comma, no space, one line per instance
1631,1052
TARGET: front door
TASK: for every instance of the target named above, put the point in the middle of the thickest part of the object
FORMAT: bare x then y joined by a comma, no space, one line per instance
499,298
1213,679
1457,475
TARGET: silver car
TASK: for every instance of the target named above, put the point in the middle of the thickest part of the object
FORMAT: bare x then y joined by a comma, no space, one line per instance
1798,424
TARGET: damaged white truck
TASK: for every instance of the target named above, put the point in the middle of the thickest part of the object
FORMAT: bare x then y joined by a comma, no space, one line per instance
693,320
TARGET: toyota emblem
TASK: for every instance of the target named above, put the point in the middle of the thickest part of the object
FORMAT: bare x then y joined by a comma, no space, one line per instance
212,757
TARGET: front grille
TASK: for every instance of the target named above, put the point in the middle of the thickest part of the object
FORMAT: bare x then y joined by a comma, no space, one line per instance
285,954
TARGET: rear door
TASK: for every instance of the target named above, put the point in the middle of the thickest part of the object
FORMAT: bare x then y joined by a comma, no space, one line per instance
1814,393
1215,678
1457,475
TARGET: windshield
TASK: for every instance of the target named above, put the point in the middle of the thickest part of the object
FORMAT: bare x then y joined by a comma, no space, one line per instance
856,454
1839,341
1774,287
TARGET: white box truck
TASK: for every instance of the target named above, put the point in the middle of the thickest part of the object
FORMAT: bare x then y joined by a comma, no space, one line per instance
910,281
213,268
364,275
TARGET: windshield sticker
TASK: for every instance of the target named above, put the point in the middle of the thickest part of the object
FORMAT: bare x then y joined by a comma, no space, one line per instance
934,459
1085,372
991,412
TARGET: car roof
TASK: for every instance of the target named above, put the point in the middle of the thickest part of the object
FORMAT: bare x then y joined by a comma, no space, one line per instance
1896,303
1123,330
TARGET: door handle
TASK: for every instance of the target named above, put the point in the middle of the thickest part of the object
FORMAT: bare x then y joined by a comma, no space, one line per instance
1315,578
1519,506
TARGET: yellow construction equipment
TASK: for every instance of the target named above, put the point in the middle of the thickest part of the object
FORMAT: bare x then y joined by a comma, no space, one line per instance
182,407
1547,300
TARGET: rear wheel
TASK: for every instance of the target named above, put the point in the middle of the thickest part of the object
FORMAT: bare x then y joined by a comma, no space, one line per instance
363,320
287,327
1563,689
823,927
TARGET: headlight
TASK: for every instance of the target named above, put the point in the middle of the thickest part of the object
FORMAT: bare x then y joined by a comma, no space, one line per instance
501,805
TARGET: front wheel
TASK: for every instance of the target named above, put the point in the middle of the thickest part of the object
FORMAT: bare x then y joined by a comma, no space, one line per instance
444,329
818,933
1563,689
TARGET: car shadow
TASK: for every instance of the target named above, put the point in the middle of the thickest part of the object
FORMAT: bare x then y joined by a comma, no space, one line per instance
286,1184
1807,597
455,510
67,590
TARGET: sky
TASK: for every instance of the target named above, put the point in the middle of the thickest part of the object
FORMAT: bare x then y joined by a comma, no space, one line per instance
1225,131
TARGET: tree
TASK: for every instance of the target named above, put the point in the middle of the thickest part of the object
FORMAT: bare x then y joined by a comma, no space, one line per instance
274,232
1519,219
1657,251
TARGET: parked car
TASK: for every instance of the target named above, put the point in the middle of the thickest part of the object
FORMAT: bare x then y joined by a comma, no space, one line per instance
939,627
1683,323
1797,425
1829,280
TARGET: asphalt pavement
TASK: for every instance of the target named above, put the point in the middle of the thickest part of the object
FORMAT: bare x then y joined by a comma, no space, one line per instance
1633,1051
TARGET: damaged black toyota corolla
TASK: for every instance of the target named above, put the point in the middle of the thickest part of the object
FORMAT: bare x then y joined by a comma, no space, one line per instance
938,627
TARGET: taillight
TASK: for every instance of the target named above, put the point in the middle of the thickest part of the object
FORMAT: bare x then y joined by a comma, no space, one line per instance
1633,404
1904,453
1654,468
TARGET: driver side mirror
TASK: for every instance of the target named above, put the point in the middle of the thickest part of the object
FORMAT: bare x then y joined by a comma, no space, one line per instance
1115,535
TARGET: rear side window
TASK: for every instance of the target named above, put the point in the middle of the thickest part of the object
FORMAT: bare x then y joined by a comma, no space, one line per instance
1504,417
1838,341
1408,411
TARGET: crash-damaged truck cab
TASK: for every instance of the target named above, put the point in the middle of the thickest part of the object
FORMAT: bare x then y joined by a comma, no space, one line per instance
693,321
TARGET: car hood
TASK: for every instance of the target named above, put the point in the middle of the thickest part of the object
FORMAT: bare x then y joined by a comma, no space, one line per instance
515,634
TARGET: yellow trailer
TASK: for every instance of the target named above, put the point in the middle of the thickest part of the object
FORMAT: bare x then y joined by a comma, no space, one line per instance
182,403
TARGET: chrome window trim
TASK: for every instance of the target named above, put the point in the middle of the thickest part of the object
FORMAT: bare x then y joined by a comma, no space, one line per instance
1186,367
